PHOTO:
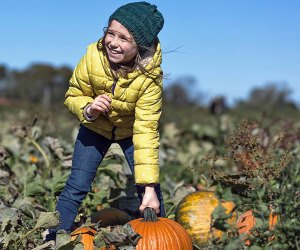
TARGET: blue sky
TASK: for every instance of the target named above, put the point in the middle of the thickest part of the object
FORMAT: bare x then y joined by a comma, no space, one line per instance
229,46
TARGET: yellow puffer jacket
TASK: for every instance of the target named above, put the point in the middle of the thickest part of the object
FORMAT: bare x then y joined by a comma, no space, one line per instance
135,107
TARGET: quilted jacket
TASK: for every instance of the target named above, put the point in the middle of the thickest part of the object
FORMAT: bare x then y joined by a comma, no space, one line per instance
135,107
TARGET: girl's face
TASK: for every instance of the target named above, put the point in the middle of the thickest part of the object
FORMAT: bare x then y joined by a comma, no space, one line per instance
119,44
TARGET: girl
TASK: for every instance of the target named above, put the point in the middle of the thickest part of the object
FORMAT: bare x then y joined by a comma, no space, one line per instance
116,93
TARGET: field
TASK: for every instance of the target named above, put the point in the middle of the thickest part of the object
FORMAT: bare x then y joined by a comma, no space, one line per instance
253,162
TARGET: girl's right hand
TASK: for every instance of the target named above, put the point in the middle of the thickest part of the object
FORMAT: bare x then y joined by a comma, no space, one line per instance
101,104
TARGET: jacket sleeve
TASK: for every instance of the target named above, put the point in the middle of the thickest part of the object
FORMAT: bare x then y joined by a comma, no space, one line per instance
80,92
146,135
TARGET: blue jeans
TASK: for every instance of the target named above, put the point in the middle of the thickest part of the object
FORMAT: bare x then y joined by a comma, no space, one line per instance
90,149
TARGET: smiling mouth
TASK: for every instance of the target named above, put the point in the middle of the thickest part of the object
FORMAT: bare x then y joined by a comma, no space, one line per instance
114,52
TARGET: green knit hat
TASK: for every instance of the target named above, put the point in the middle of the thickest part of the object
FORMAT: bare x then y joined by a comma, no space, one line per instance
142,20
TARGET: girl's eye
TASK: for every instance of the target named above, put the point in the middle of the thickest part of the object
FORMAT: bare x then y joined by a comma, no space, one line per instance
123,39
110,33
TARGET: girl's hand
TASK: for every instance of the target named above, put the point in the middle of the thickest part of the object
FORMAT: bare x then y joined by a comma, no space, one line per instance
150,199
101,104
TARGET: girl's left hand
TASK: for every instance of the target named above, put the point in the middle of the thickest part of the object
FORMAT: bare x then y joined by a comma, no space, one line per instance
150,199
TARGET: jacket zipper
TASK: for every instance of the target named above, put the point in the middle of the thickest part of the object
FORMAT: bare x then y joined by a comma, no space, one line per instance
114,86
113,92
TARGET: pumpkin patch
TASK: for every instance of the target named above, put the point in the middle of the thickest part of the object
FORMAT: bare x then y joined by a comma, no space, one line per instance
29,187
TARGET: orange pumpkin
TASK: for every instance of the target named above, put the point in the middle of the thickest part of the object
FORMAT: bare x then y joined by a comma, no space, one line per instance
160,233
87,237
247,221
194,214
105,217
273,218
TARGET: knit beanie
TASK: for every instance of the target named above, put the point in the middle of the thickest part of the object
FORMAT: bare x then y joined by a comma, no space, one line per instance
142,20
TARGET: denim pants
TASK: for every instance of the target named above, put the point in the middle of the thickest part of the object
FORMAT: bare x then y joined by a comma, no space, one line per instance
90,148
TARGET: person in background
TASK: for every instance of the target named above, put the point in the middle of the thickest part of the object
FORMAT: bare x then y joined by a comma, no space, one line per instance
116,93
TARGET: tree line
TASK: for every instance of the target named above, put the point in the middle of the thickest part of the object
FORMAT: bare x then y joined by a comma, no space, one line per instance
45,84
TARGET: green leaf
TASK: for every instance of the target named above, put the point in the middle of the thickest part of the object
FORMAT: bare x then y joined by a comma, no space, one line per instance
46,245
24,204
58,182
28,210
181,192
62,239
35,188
48,220
8,216
9,240
255,248
120,235
227,194
64,242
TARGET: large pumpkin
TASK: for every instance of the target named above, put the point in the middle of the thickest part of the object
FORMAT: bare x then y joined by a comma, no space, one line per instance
160,233
194,213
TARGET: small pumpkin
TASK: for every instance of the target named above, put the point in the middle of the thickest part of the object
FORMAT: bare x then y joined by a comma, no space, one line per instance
105,217
194,214
273,218
246,222
160,233
87,236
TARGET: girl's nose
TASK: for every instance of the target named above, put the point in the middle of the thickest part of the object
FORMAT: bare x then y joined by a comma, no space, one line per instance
114,42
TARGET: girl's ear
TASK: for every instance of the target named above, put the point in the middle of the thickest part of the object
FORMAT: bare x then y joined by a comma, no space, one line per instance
100,44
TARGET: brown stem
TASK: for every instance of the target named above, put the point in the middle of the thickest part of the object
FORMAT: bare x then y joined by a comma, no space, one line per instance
150,214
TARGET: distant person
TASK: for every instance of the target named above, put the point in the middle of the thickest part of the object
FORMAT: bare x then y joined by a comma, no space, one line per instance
218,105
116,93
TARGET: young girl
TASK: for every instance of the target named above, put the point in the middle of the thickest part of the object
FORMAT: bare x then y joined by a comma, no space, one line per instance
116,93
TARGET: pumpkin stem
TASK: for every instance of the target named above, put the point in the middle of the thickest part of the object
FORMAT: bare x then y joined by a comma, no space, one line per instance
150,214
